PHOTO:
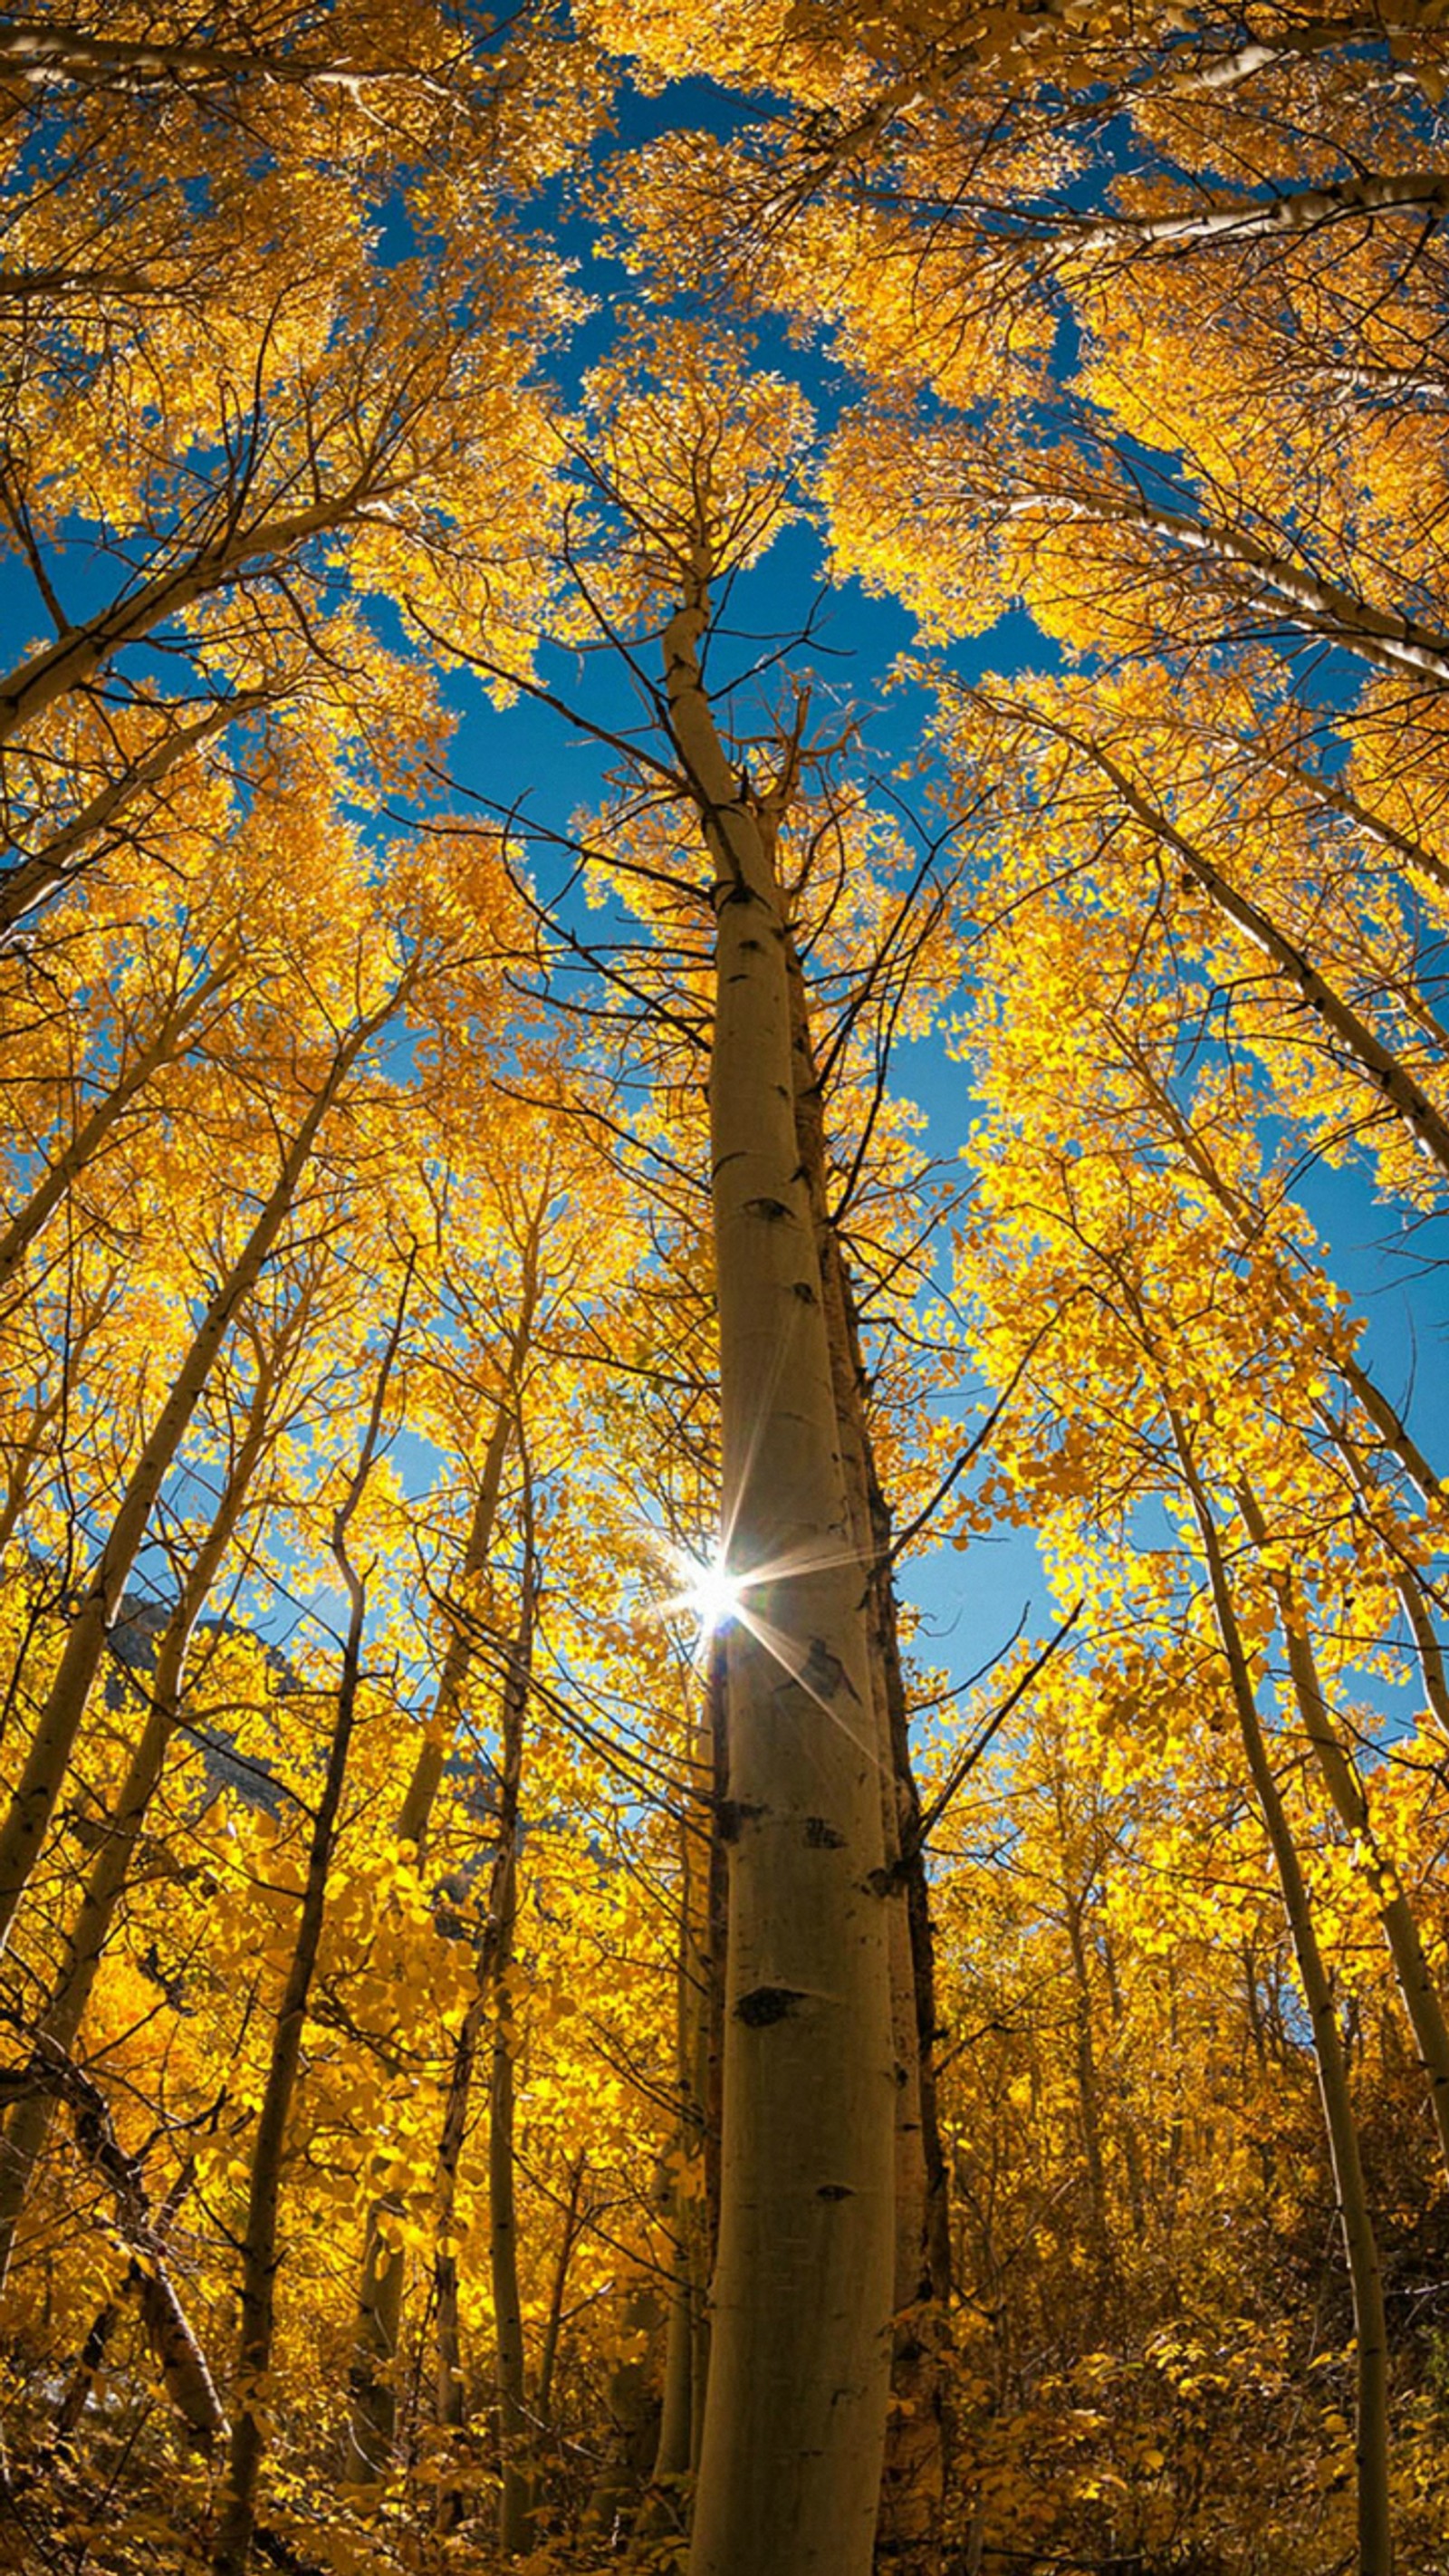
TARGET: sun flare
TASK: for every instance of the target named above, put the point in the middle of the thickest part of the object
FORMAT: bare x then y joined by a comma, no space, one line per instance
709,1594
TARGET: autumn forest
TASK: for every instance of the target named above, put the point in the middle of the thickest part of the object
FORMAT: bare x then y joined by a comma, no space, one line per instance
724,1043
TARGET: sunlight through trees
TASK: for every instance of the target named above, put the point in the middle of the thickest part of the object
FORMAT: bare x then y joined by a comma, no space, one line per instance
724,1732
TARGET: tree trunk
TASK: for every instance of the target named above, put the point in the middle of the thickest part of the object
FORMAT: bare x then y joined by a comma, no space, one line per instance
1249,1220
44,871
492,1999
1340,1777
913,2478
1375,2542
29,2123
685,2363
260,2251
553,2323
33,1802
451,2403
514,2514
372,2421
75,657
1382,1069
800,2356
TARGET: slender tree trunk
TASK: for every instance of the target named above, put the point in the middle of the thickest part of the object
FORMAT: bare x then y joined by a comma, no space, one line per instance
1375,2541
553,2322
60,2023
1340,1777
372,2422
514,2436
33,1802
23,1456
1259,577
1407,1580
175,2347
684,2375
1131,2152
800,2356
631,2416
451,2396
1089,2099
73,660
260,2251
492,2001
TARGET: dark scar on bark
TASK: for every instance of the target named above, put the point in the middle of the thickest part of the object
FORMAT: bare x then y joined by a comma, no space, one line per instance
734,1815
766,2004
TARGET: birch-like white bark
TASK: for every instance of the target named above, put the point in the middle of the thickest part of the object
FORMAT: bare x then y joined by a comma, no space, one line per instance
800,2353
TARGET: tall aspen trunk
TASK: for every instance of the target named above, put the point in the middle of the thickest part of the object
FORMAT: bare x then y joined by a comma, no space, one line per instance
1131,2153
1340,1777
33,1802
1371,2429
1089,2099
372,2420
451,2404
913,2479
29,2124
514,2506
260,2251
800,2354
492,2001
715,1765
685,2363
509,2357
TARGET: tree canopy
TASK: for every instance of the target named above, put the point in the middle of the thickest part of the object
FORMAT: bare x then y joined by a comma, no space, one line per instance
724,1734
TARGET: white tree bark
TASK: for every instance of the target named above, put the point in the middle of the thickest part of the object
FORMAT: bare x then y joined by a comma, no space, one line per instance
795,2411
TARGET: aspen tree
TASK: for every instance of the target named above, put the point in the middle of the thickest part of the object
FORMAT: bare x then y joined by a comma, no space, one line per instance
1425,1121
1375,2540
58,1723
1341,1777
799,2354
60,2021
686,2353
259,2242
794,2415
380,2295
509,2359
914,2471
182,2363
